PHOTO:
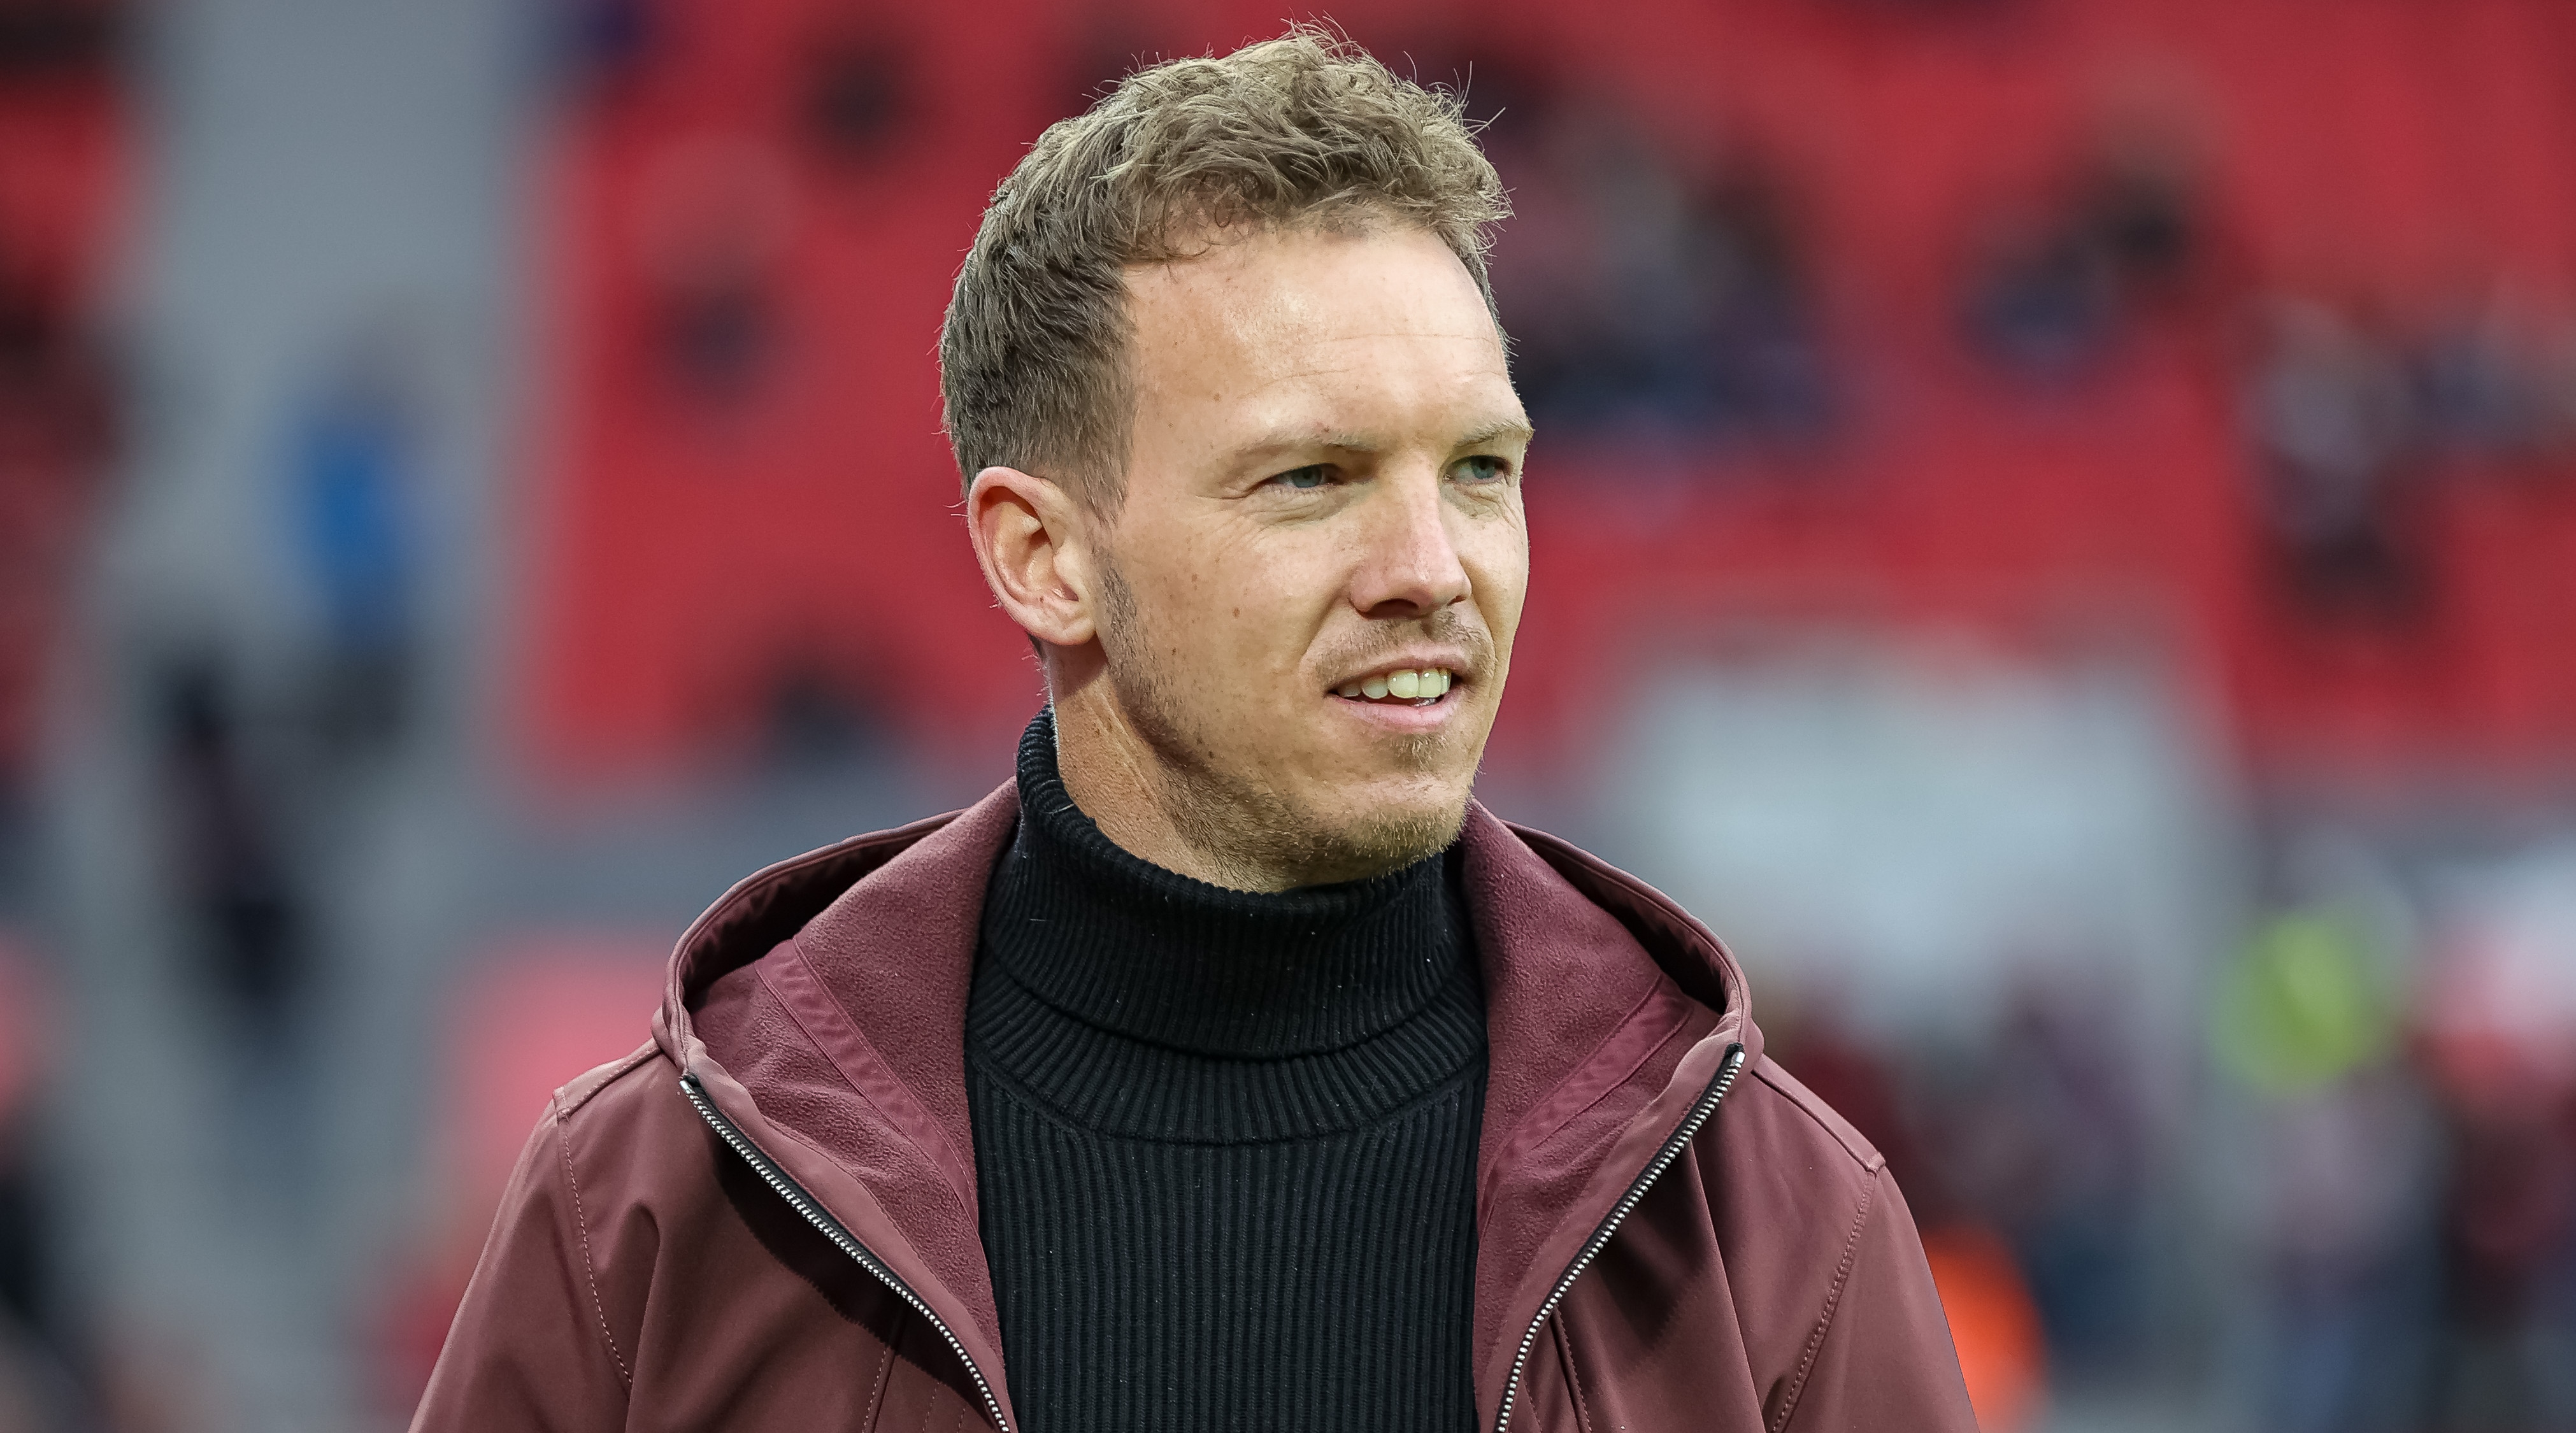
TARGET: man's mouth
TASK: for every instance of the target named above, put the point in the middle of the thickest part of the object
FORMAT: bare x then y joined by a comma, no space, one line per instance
1412,687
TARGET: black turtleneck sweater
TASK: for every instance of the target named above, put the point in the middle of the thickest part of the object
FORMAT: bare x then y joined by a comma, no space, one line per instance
1225,1143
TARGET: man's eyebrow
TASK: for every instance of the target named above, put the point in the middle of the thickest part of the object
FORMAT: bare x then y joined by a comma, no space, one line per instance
1287,440
1500,429
1278,444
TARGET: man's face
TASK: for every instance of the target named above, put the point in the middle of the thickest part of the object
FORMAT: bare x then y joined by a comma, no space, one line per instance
1308,593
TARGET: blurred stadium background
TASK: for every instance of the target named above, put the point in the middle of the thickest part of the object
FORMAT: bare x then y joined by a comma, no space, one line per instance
2055,532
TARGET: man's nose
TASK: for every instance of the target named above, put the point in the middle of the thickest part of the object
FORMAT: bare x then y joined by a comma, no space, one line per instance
1411,567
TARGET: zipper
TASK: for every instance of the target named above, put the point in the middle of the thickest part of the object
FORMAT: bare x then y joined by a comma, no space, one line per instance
832,1229
1700,1112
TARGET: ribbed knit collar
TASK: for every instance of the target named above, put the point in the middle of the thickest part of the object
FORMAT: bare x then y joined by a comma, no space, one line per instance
1129,947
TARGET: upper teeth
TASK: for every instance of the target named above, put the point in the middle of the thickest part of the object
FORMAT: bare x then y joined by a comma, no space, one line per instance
1428,682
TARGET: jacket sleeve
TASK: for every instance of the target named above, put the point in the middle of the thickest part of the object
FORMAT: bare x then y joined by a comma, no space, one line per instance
1885,1359
530,1347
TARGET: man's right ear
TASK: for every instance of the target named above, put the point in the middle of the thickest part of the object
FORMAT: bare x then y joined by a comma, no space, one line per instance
1030,539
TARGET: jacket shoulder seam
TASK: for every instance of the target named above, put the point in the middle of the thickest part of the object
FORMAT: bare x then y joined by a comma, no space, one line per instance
573,1096
1833,1303
581,1226
1805,1103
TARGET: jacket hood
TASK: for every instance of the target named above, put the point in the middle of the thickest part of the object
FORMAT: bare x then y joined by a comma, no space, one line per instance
820,1005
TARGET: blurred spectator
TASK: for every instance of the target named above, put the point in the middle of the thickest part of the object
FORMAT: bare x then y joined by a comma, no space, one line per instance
2497,1032
38,1385
2305,1017
2023,1153
719,213
2050,294
2044,300
858,96
1651,304
2335,425
355,480
818,714
2480,384
600,44
2305,1004
246,936
2343,1205
2141,200
2043,1138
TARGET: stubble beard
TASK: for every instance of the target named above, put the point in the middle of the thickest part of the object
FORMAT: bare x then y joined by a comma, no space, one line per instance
1228,815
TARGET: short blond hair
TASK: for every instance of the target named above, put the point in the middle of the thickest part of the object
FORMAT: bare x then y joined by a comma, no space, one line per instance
1304,128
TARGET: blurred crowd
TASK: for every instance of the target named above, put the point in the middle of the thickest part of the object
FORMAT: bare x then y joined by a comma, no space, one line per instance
2386,1160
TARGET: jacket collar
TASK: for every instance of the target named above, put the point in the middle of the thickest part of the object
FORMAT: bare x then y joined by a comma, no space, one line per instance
866,950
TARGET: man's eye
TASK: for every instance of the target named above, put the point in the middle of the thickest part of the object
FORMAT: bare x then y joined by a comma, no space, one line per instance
1311,476
1483,468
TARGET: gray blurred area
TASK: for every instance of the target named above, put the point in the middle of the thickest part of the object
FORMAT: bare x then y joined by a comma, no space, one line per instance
320,179
265,840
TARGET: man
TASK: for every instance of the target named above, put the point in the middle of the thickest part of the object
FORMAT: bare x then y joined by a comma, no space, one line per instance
1229,1068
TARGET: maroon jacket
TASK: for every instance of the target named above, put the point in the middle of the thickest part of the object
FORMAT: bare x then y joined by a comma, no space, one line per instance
766,1218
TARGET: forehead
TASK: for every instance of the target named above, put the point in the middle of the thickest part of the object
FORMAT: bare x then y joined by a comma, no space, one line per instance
1319,326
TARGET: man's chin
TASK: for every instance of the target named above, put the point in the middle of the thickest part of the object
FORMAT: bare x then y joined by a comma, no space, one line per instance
1373,839
1322,832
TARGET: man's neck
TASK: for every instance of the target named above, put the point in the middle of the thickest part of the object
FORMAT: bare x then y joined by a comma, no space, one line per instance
1112,773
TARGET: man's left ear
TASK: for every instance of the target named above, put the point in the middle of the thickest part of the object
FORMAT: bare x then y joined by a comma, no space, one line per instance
1029,539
